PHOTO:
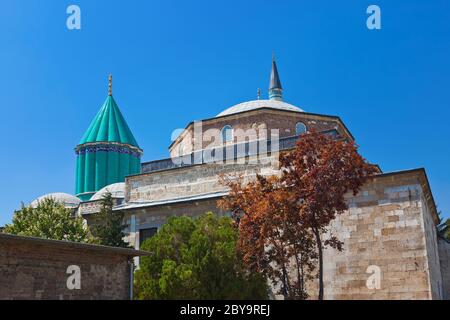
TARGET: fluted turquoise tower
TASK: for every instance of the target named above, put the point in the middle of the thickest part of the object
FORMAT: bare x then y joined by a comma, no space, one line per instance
107,152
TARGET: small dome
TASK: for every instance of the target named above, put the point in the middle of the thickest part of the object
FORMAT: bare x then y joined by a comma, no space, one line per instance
68,200
258,104
117,190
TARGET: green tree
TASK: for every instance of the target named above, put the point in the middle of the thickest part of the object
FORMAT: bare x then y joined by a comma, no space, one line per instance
444,229
50,220
196,259
108,229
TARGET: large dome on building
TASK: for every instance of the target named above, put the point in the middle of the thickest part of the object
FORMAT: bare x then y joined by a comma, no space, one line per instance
117,190
68,200
258,104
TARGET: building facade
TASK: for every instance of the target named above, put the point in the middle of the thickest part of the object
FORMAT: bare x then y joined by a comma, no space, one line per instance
389,229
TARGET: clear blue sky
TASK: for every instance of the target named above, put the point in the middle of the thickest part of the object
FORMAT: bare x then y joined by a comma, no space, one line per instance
178,61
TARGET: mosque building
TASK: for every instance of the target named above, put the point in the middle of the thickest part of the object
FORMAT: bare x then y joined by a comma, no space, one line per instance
390,224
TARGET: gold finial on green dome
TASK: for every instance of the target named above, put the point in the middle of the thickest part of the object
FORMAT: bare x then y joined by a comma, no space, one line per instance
110,84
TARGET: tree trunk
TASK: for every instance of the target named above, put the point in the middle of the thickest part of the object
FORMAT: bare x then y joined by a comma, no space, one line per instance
286,282
300,280
319,248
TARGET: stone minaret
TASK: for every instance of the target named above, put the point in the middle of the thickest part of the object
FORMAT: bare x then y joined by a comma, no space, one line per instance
107,152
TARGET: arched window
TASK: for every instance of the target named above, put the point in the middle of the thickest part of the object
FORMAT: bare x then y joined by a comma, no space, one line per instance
227,134
300,128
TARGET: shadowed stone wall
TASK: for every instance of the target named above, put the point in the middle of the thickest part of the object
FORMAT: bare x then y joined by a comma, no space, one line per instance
36,269
444,255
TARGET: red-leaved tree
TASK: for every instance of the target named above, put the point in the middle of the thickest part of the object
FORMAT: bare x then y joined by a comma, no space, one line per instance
272,238
283,219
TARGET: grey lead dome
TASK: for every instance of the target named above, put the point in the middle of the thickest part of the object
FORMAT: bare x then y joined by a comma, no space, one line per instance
258,104
68,200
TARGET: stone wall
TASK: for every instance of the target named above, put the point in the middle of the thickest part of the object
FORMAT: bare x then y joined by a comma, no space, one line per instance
385,228
444,255
194,180
94,206
36,269
256,121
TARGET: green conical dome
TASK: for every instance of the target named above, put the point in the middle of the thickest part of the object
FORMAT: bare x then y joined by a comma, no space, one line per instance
109,125
107,153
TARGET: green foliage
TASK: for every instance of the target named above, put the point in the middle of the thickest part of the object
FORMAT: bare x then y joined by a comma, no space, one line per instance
444,229
50,220
196,259
108,229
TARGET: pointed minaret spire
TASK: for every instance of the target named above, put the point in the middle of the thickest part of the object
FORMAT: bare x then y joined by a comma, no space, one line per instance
110,85
275,88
